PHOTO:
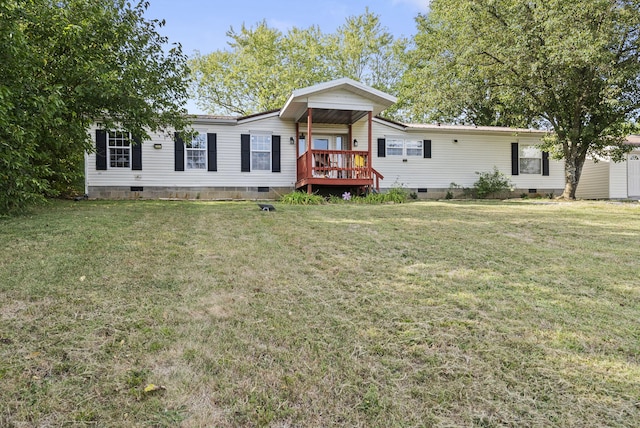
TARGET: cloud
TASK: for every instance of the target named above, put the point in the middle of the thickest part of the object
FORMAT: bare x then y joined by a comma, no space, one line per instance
281,25
420,5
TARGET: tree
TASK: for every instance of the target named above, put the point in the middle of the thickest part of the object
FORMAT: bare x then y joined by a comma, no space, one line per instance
263,65
66,63
573,66
261,69
365,51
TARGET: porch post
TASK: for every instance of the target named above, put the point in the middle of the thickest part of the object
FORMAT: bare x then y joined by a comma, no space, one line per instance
297,139
309,146
369,143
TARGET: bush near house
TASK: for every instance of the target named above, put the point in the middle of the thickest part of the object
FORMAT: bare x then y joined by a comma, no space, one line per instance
396,194
492,183
301,198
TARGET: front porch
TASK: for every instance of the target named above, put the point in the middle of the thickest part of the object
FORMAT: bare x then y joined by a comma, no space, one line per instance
332,115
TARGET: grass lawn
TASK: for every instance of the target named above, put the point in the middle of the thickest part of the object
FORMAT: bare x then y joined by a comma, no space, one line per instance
423,314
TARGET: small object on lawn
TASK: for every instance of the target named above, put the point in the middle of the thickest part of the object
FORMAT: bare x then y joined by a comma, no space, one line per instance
267,207
81,198
153,388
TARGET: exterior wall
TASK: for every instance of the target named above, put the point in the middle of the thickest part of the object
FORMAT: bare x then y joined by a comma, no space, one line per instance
457,162
618,180
337,99
594,181
605,180
158,167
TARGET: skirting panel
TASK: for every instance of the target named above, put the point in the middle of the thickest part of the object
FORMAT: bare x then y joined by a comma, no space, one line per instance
457,193
187,193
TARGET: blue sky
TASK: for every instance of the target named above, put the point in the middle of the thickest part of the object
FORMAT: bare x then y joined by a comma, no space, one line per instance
201,25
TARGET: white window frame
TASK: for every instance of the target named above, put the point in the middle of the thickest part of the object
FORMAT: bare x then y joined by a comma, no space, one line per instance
401,147
119,149
394,147
200,149
530,155
260,144
414,148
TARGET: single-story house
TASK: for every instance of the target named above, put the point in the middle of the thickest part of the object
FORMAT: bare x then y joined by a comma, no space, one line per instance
604,179
326,137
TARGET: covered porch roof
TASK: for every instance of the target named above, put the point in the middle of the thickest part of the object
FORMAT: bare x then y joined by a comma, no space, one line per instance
343,101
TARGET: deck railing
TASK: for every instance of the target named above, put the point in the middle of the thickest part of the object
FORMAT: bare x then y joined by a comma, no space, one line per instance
337,164
377,177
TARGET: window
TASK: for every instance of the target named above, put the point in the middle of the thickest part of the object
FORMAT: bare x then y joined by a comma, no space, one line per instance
119,149
398,147
320,144
261,152
530,160
395,147
414,148
197,152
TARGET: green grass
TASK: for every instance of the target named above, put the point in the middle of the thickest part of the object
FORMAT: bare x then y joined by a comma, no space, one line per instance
424,314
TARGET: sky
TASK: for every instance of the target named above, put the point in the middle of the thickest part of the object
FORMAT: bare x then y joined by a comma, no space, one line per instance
201,25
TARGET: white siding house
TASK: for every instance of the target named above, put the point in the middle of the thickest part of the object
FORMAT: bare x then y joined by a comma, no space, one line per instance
325,137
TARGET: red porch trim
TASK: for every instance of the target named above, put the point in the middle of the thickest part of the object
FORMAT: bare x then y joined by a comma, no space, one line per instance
309,145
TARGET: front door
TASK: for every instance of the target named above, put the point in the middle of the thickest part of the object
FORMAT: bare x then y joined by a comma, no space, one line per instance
633,175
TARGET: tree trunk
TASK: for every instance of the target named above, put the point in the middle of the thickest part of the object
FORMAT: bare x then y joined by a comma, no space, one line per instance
572,171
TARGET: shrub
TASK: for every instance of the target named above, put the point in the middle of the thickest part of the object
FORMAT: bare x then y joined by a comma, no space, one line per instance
301,198
491,183
452,187
369,198
396,194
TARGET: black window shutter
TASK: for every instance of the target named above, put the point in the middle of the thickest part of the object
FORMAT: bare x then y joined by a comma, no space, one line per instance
136,154
382,150
179,153
426,149
515,152
101,149
275,153
212,152
245,153
545,163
